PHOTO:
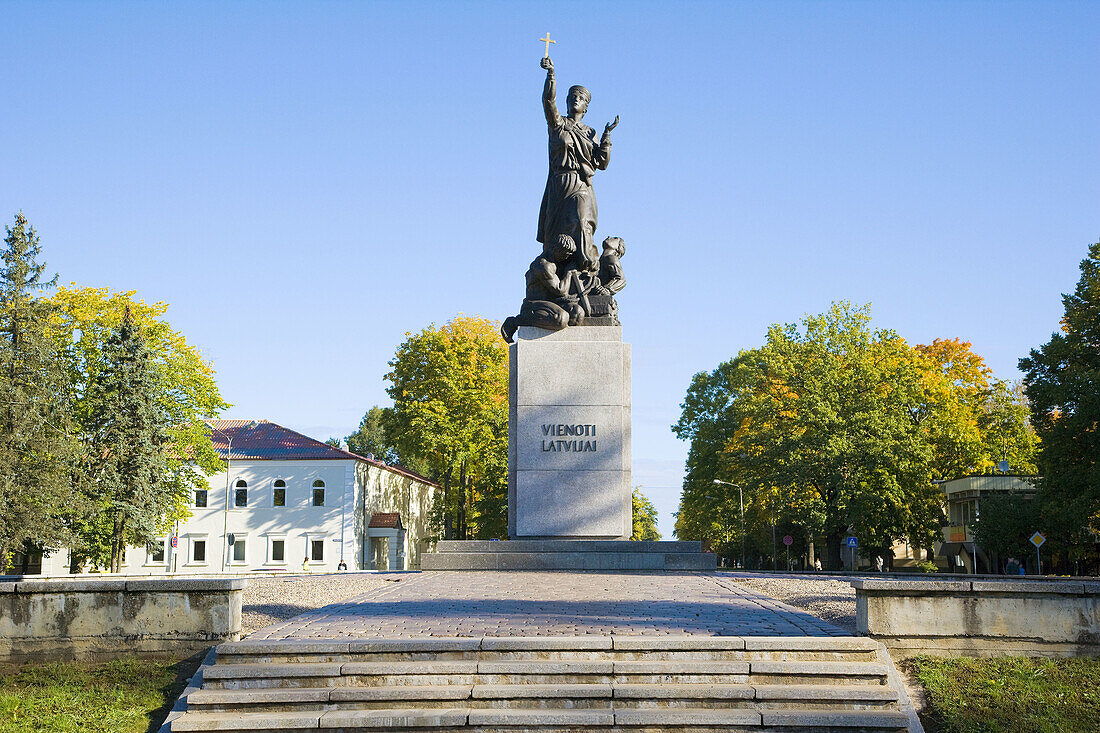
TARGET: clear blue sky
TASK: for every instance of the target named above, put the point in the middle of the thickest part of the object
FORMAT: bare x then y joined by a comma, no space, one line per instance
305,182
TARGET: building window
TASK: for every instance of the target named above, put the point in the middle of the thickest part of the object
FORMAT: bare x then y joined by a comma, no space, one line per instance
318,493
200,497
156,552
198,551
280,493
278,551
240,498
317,550
238,551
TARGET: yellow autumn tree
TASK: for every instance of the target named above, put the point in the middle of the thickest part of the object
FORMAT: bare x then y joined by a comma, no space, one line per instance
449,386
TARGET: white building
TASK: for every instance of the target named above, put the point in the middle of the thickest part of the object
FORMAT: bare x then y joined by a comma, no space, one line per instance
290,503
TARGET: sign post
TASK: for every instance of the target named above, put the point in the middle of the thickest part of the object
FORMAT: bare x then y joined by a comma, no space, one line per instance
1038,539
788,541
852,543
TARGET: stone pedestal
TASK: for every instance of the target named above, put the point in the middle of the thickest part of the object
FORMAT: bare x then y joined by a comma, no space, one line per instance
569,434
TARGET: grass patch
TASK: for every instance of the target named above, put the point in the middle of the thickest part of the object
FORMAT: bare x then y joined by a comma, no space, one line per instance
130,695
1014,694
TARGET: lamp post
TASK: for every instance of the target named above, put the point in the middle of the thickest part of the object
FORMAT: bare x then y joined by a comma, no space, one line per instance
741,497
225,511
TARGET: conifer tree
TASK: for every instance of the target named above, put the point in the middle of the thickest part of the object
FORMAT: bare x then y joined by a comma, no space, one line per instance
36,436
1063,388
127,434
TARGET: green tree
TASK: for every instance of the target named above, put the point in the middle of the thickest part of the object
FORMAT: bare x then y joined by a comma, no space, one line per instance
1004,525
127,434
834,427
819,427
1007,433
449,387
370,438
185,391
1062,381
37,443
645,517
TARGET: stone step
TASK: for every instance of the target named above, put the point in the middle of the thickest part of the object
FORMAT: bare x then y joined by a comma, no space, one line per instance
547,721
822,697
565,648
469,672
551,685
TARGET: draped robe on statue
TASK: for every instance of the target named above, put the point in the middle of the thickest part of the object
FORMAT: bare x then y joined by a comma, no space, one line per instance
569,203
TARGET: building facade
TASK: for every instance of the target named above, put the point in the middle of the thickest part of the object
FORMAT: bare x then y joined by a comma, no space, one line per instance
958,551
289,503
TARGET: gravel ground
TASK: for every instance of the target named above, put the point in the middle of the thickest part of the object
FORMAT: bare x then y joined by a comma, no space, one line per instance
830,598
271,599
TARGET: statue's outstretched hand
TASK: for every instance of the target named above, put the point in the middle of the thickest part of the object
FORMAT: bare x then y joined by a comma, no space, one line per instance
547,64
611,125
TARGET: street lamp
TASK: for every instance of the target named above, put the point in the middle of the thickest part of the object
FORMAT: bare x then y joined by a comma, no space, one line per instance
741,497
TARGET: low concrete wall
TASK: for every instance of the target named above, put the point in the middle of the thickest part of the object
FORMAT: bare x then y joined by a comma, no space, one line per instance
101,618
981,617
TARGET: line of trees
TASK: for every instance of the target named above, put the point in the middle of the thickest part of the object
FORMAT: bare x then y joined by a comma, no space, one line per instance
834,427
101,407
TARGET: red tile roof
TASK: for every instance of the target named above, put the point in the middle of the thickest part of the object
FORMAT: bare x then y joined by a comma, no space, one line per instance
260,440
385,520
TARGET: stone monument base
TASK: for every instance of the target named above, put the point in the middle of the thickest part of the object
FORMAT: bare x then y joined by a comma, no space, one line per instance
569,434
568,555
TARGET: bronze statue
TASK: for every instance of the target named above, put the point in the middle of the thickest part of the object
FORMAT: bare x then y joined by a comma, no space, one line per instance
568,284
569,203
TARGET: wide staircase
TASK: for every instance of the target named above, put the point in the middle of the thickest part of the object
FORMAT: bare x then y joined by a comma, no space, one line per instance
550,684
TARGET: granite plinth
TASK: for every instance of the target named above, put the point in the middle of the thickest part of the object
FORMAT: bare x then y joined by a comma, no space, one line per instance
568,555
569,434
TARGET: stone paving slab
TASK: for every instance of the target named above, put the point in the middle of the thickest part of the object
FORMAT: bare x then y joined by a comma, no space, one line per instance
515,603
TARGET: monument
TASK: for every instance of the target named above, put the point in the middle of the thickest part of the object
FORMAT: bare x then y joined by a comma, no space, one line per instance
569,477
569,381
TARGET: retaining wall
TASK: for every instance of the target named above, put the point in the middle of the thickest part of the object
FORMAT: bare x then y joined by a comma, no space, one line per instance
981,617
68,619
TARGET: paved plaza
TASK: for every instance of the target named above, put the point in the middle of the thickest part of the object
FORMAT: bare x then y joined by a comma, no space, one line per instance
490,603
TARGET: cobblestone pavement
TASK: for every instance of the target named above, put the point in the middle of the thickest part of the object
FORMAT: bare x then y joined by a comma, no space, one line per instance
828,597
489,603
271,599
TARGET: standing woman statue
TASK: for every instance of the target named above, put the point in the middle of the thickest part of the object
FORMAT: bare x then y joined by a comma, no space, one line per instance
569,203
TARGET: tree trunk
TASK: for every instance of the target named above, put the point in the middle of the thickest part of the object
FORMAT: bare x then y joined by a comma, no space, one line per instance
117,546
462,528
448,525
832,543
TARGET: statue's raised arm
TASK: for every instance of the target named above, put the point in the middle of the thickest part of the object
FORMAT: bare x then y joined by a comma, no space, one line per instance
549,94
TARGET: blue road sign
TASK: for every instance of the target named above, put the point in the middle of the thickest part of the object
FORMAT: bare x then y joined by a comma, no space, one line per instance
852,542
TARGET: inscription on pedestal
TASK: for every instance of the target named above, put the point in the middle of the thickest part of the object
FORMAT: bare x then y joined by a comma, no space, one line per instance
565,446
569,435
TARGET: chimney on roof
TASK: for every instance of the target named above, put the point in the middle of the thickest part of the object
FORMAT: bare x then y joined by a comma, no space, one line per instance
370,456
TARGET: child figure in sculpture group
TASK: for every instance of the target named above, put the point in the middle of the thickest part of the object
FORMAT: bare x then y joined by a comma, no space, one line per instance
611,270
